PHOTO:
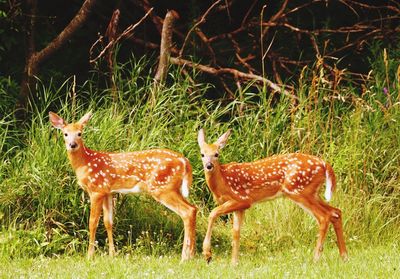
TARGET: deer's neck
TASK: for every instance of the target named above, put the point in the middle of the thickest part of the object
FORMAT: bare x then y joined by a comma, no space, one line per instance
79,157
216,182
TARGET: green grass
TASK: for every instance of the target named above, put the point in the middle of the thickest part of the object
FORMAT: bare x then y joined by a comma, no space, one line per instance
364,262
43,212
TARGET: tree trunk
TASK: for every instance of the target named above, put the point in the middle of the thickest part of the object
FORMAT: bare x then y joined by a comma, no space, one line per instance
27,79
35,58
165,47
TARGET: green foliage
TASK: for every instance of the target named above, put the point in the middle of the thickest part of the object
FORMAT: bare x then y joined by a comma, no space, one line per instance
8,95
365,262
44,212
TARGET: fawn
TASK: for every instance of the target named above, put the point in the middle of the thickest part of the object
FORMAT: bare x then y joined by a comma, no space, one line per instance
236,186
164,174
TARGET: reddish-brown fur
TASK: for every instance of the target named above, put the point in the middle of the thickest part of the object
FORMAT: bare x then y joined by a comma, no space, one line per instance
164,174
236,186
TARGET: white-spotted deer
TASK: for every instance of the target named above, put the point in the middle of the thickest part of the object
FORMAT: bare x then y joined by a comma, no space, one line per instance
162,173
236,186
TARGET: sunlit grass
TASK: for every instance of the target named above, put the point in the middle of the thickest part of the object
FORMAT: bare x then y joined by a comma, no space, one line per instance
364,262
44,212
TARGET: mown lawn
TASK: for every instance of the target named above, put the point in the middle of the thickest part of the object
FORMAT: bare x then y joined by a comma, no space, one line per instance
365,262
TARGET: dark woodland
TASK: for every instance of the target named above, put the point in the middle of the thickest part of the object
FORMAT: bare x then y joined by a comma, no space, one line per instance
264,78
232,41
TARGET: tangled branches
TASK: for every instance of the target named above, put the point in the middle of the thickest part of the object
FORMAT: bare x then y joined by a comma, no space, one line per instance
238,41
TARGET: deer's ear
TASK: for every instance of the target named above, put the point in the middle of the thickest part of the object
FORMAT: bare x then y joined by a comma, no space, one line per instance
221,142
201,138
84,120
56,120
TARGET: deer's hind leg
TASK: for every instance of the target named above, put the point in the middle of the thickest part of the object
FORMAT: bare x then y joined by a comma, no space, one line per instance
336,220
321,214
177,203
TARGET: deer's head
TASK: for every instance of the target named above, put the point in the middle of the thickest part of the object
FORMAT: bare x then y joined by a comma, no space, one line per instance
72,132
210,152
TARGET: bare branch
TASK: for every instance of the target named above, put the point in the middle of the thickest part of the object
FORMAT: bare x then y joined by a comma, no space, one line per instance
248,12
232,72
68,31
158,21
202,20
127,32
275,17
145,5
36,58
211,51
144,43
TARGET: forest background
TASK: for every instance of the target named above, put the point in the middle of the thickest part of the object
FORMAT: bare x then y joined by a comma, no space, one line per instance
319,76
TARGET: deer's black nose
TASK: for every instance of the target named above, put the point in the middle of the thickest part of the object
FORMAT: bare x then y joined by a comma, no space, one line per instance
209,166
73,145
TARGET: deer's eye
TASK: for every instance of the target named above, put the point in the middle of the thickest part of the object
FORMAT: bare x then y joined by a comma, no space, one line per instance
202,155
216,154
79,134
65,135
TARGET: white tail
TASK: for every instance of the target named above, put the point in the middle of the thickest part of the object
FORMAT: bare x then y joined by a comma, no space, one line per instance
328,189
187,177
164,174
236,186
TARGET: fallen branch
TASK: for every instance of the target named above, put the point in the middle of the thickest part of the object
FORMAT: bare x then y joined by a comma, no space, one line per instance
145,44
232,72
210,50
232,53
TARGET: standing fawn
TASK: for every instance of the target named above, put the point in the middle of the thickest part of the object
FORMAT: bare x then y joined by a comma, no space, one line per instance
162,173
236,186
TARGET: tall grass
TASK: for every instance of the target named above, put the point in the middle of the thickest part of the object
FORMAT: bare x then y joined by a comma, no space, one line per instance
43,211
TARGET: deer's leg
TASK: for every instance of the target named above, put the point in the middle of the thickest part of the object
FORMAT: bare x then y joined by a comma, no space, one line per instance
224,208
237,224
108,222
96,201
323,229
321,214
178,204
336,220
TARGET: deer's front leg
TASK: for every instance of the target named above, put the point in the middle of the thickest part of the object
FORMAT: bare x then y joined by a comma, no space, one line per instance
224,208
237,224
108,222
96,201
